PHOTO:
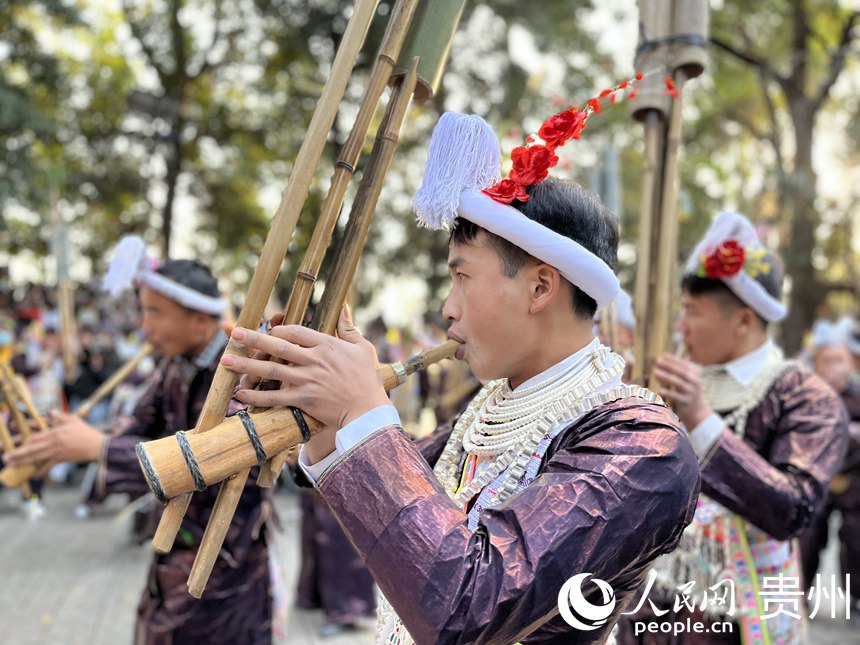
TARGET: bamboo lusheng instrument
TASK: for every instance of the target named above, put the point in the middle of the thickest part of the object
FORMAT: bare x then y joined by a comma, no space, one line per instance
277,241
328,311
429,40
15,393
17,476
8,444
227,448
306,276
667,30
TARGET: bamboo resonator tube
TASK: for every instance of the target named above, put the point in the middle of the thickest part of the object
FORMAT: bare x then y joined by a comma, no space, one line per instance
188,462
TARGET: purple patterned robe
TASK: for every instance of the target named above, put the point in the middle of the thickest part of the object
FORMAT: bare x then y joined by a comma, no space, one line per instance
614,491
236,606
776,478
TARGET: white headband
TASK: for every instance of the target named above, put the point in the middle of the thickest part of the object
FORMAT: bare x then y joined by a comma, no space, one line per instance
827,334
463,159
131,264
731,226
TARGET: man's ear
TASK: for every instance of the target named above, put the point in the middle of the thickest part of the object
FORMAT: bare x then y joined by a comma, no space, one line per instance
747,319
546,285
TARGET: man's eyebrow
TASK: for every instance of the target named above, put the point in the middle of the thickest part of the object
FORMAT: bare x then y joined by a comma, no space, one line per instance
456,262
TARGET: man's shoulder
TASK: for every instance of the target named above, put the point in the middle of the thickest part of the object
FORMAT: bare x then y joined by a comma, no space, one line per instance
634,411
797,386
627,420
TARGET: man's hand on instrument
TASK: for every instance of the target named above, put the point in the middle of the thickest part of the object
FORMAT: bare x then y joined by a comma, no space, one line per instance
70,439
681,384
332,379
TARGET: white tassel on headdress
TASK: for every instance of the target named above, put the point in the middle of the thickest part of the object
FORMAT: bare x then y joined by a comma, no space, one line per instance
464,154
128,261
131,264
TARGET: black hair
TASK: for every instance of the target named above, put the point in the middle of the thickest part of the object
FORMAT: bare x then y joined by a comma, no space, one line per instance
770,280
569,210
192,274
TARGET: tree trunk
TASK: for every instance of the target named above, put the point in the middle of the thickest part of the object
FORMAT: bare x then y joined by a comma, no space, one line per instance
802,191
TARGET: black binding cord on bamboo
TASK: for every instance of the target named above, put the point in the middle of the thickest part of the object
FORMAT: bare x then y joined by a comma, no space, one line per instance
149,472
191,460
303,426
253,436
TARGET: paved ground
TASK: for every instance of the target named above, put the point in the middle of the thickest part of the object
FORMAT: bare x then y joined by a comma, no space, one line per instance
65,581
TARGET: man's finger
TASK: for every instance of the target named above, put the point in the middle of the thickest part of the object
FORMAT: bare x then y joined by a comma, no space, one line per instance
266,398
669,378
273,345
269,370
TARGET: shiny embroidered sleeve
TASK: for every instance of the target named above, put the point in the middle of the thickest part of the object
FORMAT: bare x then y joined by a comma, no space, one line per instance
118,468
616,493
777,476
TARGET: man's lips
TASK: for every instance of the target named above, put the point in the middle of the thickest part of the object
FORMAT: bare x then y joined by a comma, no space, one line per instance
460,354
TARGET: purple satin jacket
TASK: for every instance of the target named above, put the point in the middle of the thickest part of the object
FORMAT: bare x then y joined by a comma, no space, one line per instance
614,491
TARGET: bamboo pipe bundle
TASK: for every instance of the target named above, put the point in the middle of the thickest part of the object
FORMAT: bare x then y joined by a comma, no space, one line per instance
177,465
231,490
336,288
294,312
16,393
656,286
277,241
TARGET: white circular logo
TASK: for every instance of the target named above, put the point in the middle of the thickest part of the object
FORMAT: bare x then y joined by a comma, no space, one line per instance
577,611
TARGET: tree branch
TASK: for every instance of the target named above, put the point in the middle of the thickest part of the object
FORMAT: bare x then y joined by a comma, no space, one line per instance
138,35
837,61
750,59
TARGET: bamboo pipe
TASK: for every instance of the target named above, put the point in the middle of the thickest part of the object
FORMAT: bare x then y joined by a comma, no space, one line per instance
277,241
68,331
226,449
294,312
647,230
363,209
667,254
115,379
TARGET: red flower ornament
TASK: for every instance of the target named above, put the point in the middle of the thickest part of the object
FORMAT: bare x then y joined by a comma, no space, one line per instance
532,164
507,191
725,261
561,127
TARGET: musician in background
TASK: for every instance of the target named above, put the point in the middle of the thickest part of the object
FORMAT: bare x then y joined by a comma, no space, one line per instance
182,308
769,436
555,470
833,362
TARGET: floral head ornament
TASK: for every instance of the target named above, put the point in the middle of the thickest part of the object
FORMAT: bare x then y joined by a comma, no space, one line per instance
731,251
462,180
531,163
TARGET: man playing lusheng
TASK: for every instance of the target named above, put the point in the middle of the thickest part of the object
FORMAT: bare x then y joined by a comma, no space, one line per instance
555,469
769,436
181,317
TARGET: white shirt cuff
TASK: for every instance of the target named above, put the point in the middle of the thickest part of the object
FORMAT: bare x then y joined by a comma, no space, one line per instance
357,430
349,436
705,435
